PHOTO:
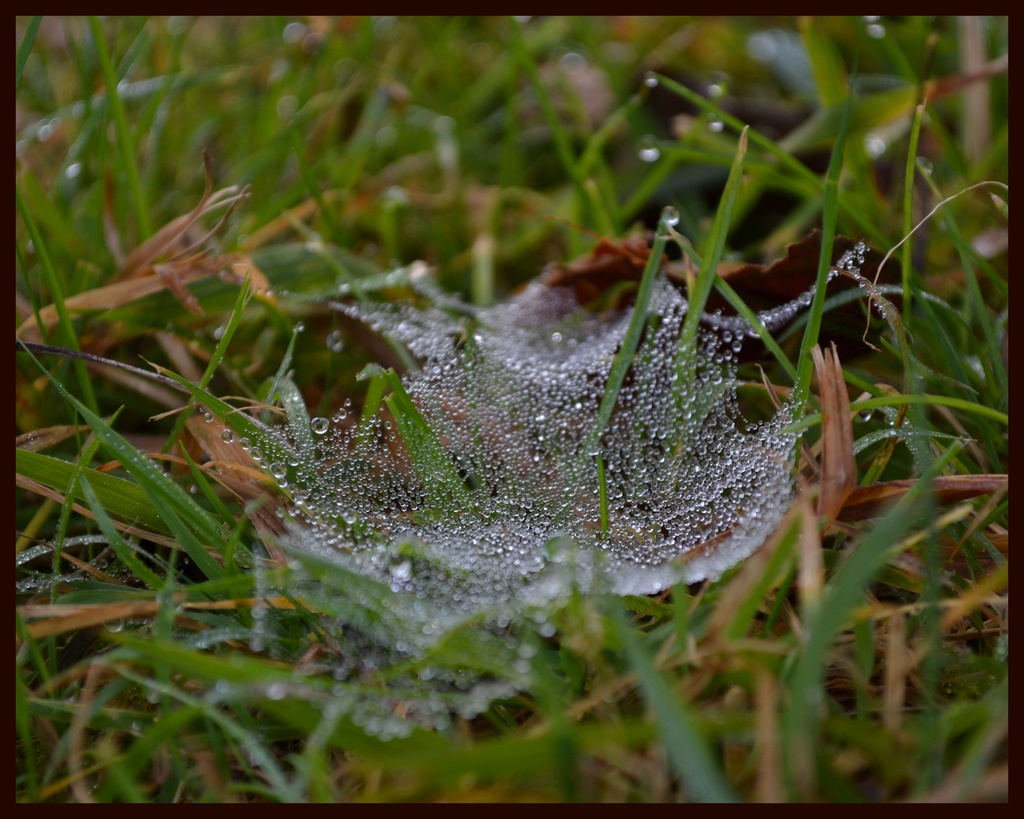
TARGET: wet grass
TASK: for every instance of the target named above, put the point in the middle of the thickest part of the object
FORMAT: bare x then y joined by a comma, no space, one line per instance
163,652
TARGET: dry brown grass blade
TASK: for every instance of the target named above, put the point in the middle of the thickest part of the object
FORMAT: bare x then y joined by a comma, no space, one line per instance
838,465
811,576
873,501
899,661
167,237
79,721
90,570
975,597
769,783
141,275
285,223
243,266
61,618
39,439
124,292
944,86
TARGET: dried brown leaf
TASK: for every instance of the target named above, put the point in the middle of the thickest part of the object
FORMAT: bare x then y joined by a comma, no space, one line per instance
838,465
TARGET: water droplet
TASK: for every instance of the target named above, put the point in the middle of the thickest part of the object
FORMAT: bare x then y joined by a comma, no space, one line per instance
573,62
335,341
651,79
320,425
293,32
669,216
227,436
874,145
649,152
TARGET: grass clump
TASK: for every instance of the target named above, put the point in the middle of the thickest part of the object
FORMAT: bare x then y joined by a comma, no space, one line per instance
174,645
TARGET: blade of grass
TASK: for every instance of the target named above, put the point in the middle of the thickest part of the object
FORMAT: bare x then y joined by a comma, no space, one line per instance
812,419
830,212
723,287
121,497
517,45
183,516
57,294
624,356
25,734
124,552
24,47
968,259
273,447
602,486
785,157
439,475
688,755
244,293
126,148
907,259
712,254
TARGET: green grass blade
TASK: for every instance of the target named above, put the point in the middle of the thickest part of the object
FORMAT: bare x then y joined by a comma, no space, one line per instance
712,253
688,755
24,47
123,551
517,45
444,484
126,147
908,213
830,212
183,516
57,294
624,356
723,287
120,497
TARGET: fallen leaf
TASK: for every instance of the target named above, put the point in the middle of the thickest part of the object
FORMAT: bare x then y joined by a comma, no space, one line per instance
838,465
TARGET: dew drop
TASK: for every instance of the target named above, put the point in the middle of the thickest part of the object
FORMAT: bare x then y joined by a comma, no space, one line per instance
669,216
649,152
335,341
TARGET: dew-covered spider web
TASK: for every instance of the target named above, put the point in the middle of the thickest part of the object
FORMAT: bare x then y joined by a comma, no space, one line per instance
509,394
475,494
